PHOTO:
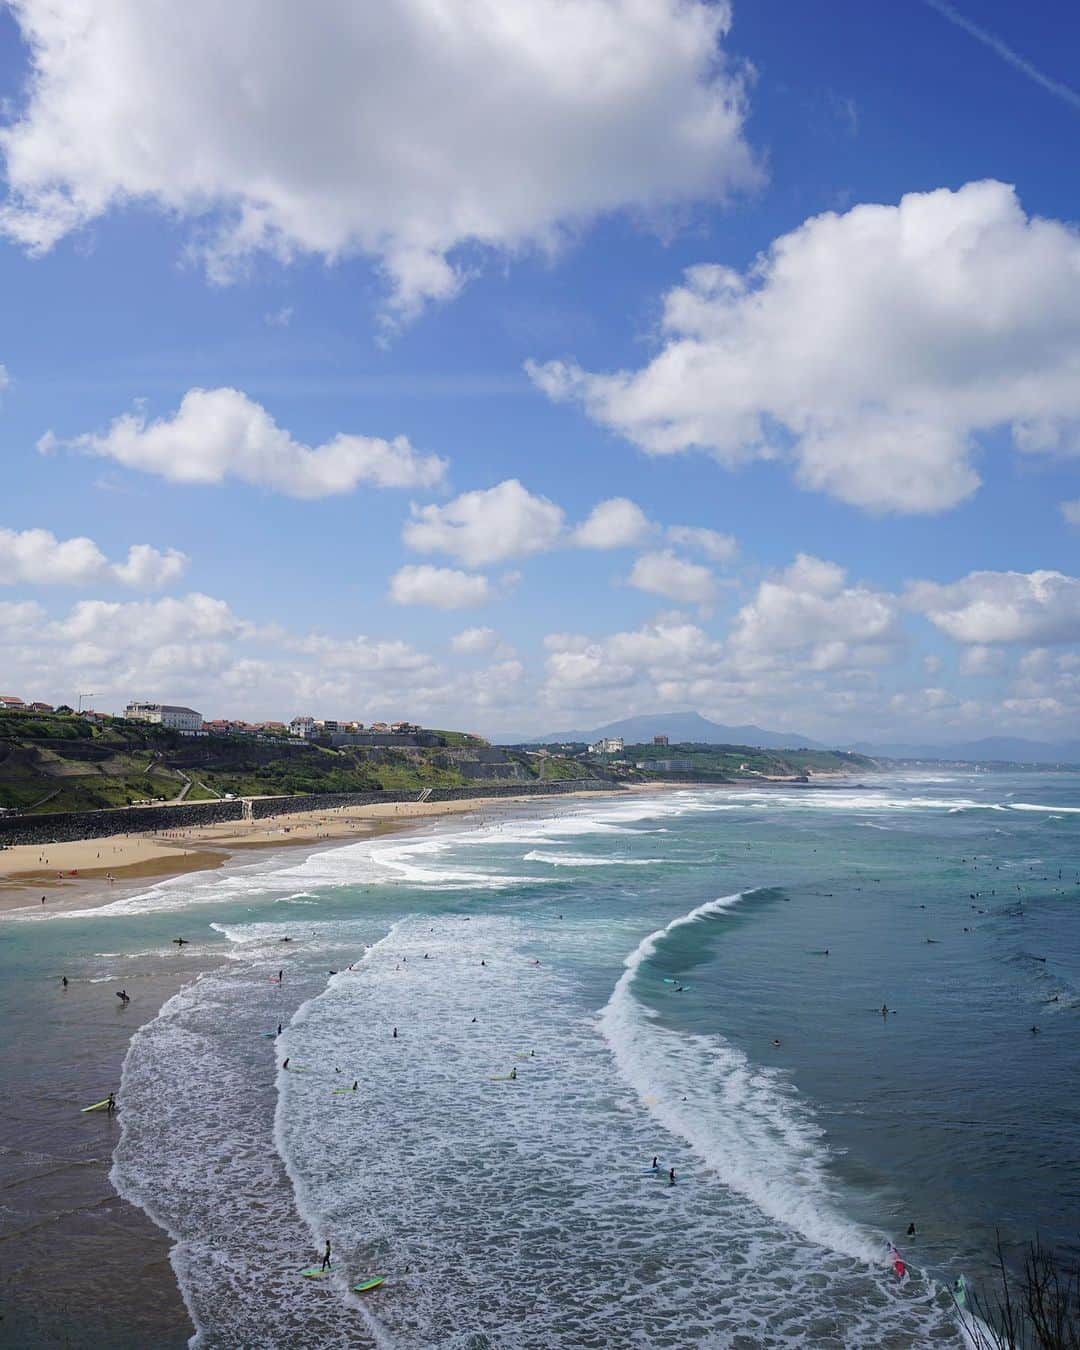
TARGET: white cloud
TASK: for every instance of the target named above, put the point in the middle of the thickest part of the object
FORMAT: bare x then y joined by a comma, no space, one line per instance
398,131
471,641
665,574
439,587
221,433
37,557
714,545
1071,511
810,612
988,607
616,523
151,623
873,348
486,526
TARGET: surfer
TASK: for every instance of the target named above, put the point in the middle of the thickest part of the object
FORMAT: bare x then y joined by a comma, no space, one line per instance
671,1177
474,1019
355,1084
911,1230
285,1063
63,979
111,1106
483,962
326,1257
775,1041
656,1163
513,1074
1034,1031
395,1033
279,1028
122,995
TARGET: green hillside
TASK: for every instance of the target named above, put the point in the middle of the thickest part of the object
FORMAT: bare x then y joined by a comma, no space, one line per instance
54,762
730,763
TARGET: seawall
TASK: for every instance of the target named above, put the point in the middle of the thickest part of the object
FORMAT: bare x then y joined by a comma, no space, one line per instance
62,827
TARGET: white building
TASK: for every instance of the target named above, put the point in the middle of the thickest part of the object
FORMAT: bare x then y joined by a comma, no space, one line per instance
304,727
610,745
169,715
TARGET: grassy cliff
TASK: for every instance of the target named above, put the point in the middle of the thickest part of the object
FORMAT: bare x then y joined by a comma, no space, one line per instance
52,762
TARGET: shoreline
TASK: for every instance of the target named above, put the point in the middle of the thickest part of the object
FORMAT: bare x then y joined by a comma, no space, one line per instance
77,874
81,873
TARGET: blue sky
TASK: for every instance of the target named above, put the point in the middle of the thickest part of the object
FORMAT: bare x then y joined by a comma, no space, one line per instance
806,277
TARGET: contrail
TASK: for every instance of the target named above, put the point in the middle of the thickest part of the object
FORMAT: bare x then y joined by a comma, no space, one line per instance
1006,53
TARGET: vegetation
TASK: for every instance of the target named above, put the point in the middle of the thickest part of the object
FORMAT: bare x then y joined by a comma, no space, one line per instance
55,762
739,762
1036,1308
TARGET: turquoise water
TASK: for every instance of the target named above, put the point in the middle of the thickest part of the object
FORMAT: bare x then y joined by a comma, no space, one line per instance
635,960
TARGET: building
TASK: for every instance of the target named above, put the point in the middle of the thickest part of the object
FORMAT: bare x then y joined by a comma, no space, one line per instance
170,715
41,707
610,745
667,765
10,703
304,727
660,740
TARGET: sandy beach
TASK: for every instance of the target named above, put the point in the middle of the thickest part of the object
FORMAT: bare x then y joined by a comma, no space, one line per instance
83,872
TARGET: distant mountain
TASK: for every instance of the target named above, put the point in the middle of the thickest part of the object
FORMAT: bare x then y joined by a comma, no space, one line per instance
1012,749
677,727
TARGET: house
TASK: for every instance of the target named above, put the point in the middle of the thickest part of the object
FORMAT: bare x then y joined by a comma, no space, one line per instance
660,740
9,703
326,724
173,716
41,707
610,745
304,727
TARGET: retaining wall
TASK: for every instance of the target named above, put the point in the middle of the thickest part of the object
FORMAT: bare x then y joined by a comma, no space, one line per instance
59,827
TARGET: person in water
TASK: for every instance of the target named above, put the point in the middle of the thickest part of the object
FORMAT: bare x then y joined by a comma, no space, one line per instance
111,1107
513,1073
395,1033
64,980
884,1010
655,1163
671,1177
911,1230
285,1063
326,1257
355,1084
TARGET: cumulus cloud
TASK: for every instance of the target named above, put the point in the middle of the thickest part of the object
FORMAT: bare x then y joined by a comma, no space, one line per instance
470,641
714,545
221,433
439,587
487,526
663,573
872,348
810,611
406,130
616,523
37,557
991,607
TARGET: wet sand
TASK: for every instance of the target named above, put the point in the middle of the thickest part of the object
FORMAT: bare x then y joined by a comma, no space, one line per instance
88,872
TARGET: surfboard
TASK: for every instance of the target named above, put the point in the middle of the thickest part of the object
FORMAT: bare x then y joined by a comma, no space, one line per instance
667,980
315,1272
365,1285
96,1106
502,1078
345,1092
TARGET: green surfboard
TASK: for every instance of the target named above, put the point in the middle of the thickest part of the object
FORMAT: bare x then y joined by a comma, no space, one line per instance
96,1106
365,1285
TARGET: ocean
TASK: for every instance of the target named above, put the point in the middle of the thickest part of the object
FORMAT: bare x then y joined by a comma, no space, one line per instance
532,1009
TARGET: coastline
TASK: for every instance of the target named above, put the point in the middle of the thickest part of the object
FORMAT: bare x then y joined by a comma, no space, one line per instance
86,1239
85,872
81,873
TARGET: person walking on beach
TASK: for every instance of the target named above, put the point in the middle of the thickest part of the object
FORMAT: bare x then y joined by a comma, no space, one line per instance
326,1257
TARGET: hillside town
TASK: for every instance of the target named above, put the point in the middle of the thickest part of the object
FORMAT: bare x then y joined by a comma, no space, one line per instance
189,722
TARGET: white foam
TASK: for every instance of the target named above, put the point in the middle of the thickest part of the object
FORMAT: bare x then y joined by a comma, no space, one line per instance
583,860
744,1121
